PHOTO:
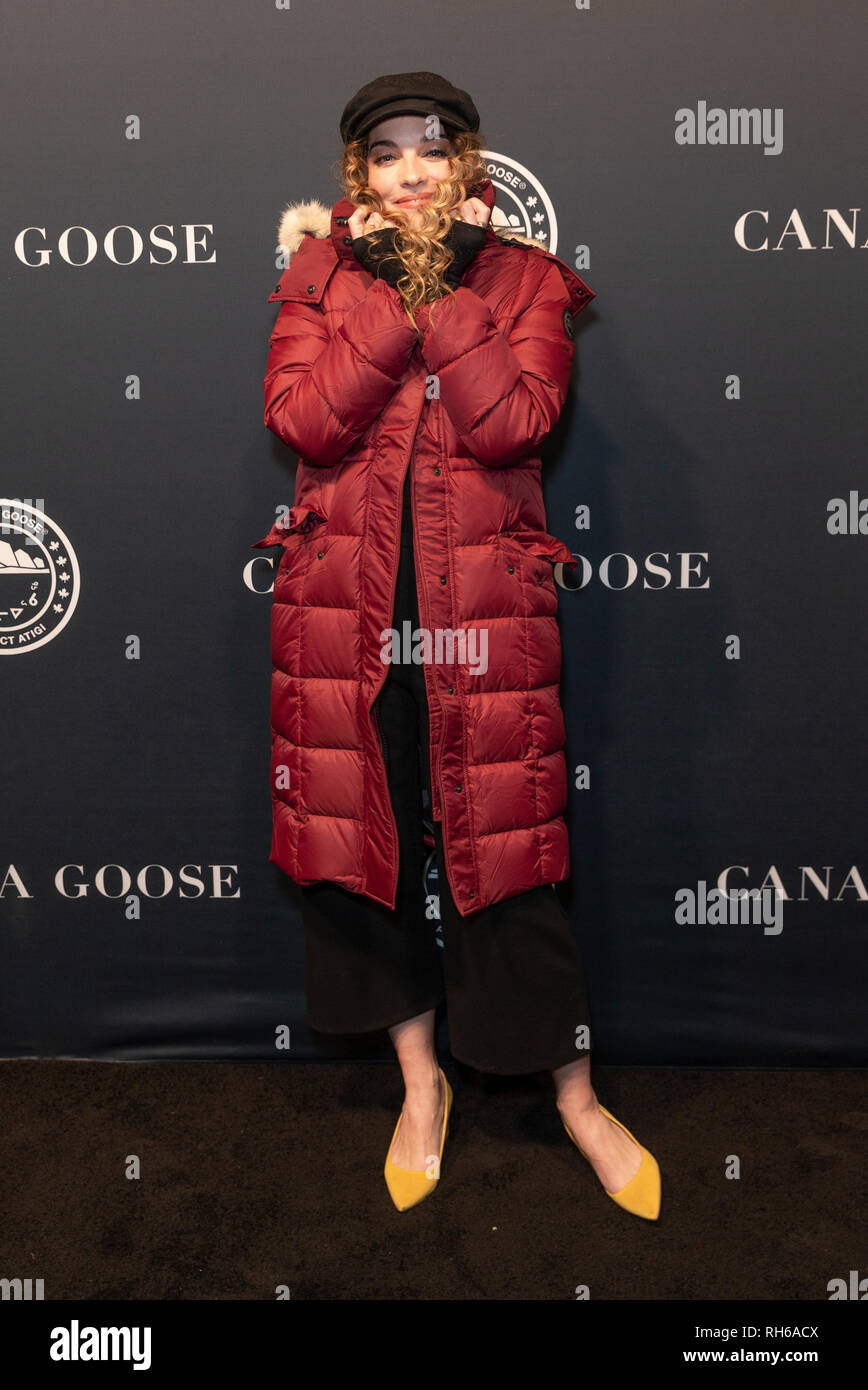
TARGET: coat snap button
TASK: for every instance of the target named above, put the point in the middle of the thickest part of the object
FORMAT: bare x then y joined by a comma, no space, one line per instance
348,241
319,554
458,786
539,579
450,689
311,289
510,569
342,221
277,287
436,472
471,894
443,579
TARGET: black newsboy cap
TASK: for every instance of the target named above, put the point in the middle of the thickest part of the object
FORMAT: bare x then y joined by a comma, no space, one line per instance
407,93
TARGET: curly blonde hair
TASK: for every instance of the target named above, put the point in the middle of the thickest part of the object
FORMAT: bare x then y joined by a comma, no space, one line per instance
420,247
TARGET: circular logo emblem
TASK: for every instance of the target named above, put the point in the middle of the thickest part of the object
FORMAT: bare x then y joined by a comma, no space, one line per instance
39,577
522,203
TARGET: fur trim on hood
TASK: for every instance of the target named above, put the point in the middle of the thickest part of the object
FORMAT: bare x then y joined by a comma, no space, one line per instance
314,217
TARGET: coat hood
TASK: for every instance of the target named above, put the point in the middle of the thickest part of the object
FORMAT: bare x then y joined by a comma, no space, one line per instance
312,218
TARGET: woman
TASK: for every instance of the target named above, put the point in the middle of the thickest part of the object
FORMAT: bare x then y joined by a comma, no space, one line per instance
418,359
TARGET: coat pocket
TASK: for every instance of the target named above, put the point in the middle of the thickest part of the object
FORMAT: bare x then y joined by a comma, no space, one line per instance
540,544
297,521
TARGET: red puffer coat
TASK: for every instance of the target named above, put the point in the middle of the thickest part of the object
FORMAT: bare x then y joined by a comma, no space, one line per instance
360,399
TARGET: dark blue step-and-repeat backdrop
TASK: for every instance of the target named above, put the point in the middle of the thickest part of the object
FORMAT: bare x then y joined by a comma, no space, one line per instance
703,169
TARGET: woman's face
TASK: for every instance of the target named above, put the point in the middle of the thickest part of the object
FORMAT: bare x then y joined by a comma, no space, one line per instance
406,159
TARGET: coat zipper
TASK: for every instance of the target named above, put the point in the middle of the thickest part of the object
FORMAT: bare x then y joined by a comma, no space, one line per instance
373,711
422,598
437,809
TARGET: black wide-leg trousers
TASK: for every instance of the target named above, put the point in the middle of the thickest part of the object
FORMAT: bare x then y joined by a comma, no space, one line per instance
511,975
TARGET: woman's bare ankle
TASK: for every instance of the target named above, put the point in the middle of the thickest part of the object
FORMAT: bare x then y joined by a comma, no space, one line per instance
422,1080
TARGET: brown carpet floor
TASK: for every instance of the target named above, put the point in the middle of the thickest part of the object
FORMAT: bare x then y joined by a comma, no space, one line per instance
260,1175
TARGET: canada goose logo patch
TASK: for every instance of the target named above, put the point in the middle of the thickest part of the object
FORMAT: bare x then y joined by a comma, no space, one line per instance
39,578
523,205
569,326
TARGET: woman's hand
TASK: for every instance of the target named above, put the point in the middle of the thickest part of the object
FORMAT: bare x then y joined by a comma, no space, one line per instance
373,241
366,220
473,211
467,236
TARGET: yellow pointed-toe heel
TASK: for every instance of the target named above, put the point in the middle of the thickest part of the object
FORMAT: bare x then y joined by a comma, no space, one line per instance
641,1196
409,1186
